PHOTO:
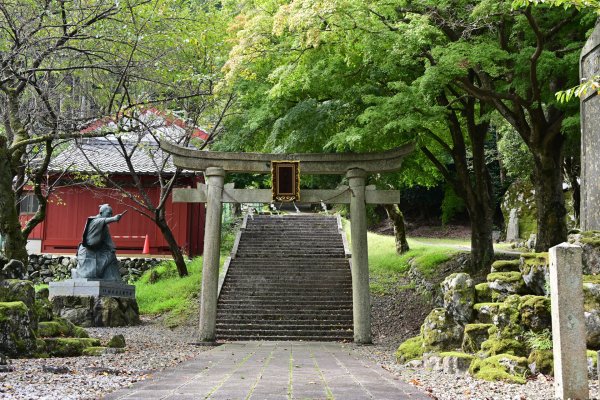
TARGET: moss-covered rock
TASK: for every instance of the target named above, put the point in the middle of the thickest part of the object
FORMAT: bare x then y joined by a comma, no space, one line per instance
485,311
69,347
55,328
508,319
117,342
17,338
494,346
535,270
590,245
458,291
504,284
474,336
43,310
20,290
541,361
535,312
455,362
483,293
592,328
440,332
79,332
410,349
502,367
94,351
521,196
505,266
591,296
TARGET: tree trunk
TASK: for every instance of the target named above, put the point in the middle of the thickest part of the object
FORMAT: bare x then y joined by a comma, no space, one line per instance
482,241
394,213
550,200
173,246
15,246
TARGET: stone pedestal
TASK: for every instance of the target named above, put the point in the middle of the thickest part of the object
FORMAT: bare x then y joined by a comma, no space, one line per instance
89,303
91,287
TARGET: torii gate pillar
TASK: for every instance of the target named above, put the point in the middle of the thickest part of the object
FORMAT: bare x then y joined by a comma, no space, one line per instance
215,178
361,299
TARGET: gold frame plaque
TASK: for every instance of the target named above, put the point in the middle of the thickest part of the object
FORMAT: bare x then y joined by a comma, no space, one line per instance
286,180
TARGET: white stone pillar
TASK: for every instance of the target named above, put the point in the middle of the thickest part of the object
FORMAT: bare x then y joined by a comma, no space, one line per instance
568,322
361,298
214,178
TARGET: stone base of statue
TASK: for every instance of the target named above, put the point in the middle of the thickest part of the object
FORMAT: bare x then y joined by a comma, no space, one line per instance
89,302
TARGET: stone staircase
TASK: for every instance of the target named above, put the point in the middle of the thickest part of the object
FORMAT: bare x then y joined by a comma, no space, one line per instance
288,279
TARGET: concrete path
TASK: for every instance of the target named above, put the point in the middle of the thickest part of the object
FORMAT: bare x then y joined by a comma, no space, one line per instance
274,370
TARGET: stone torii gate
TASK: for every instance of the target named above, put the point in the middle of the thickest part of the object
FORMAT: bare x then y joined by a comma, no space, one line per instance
355,166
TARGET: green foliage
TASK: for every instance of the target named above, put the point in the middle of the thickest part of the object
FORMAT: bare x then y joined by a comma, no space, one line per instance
170,294
539,340
451,205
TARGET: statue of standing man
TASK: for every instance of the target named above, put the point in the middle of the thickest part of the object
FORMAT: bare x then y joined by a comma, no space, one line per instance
96,256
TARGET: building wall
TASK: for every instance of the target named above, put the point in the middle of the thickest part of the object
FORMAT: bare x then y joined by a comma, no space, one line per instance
69,207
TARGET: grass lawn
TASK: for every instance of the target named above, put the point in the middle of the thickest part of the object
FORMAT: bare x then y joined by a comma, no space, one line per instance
386,267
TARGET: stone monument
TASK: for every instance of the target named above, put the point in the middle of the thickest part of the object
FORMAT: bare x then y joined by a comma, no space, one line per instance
590,136
96,295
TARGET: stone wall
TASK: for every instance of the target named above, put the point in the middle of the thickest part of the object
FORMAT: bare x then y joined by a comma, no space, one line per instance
45,268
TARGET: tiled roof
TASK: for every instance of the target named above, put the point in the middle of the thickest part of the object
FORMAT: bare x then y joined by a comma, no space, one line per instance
107,156
138,134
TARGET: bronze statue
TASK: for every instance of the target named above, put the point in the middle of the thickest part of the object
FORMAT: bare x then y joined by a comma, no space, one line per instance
96,257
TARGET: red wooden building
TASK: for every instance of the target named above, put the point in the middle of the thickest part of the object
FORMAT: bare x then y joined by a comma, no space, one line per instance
75,197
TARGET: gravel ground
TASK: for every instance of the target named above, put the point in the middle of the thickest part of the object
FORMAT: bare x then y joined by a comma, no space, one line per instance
150,347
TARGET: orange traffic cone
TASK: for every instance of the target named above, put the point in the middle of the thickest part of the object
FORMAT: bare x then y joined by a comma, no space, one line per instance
146,249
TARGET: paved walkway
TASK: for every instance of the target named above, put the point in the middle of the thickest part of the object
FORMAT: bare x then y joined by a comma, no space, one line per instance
274,370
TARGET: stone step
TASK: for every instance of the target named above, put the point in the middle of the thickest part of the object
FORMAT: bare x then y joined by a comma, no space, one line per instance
315,316
285,335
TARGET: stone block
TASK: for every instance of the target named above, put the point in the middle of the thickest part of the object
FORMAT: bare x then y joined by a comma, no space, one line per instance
90,311
89,287
458,291
17,338
474,336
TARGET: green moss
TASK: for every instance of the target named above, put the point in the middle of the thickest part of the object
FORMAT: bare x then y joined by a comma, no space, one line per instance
591,279
457,354
535,312
117,341
494,346
595,241
11,307
94,351
49,329
58,327
410,349
79,332
544,361
511,276
535,258
483,292
505,265
485,311
64,347
495,368
69,347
